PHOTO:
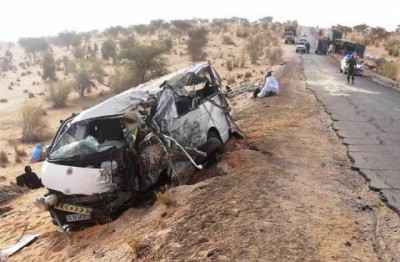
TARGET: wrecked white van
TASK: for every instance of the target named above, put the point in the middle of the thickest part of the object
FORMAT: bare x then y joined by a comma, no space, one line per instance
95,165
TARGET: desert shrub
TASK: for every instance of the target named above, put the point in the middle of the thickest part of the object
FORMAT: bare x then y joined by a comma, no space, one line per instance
18,159
394,50
253,49
388,69
34,127
242,32
393,47
229,65
196,43
122,80
49,66
19,152
167,43
108,49
239,75
3,100
247,74
235,61
275,55
83,84
135,245
3,157
165,197
69,65
31,95
78,52
58,92
242,58
230,79
97,70
227,40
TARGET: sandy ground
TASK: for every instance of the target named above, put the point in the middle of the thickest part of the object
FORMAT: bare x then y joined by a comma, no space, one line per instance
284,193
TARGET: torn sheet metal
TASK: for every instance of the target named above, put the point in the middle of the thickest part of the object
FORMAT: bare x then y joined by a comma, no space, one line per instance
25,240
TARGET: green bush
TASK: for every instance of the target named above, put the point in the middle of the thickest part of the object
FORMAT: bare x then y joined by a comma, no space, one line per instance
122,80
58,92
388,69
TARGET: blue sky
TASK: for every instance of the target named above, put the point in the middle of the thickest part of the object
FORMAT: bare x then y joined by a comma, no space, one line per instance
23,18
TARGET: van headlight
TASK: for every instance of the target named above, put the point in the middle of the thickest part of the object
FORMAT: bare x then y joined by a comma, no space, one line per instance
51,200
40,204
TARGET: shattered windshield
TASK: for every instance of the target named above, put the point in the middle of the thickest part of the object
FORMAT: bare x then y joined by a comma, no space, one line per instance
87,138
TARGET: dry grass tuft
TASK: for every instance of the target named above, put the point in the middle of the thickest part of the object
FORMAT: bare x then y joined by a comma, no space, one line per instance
3,158
165,197
135,245
19,152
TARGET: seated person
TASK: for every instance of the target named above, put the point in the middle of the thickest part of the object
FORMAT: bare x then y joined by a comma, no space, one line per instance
37,154
29,179
271,87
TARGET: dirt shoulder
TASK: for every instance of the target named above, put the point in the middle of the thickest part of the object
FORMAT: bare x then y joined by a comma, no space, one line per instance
284,193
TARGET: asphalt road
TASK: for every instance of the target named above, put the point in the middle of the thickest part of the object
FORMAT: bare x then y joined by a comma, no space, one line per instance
366,116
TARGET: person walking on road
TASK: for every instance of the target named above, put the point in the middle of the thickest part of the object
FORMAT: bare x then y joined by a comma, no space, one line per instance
351,63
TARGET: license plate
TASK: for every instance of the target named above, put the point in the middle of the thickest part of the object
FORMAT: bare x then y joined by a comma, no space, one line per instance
76,217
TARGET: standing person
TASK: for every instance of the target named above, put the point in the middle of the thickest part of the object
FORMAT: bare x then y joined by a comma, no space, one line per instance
29,179
271,86
308,47
351,64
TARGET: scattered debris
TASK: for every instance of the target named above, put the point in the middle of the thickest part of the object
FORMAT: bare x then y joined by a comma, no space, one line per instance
22,242
10,191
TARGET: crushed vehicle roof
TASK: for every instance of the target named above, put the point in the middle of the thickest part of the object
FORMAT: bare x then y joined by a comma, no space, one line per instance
118,104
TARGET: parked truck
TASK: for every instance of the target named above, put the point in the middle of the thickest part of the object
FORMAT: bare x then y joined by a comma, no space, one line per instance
289,34
335,34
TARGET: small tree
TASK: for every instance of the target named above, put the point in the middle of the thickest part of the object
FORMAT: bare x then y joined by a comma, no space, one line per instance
82,82
196,43
96,70
180,27
34,126
115,31
33,45
65,38
69,65
122,80
142,59
108,49
253,49
58,92
48,65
